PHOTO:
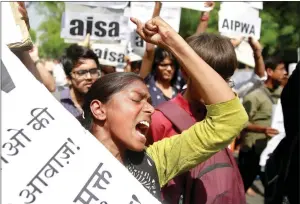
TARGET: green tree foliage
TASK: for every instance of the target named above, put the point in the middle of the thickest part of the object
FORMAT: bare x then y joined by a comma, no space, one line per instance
51,45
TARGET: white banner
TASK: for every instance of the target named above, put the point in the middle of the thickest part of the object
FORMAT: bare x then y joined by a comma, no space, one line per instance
110,54
144,10
104,24
47,156
200,6
239,24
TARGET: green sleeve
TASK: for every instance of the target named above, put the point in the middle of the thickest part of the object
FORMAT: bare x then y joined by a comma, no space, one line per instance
180,153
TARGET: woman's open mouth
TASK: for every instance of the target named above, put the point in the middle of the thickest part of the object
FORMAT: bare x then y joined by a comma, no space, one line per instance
142,128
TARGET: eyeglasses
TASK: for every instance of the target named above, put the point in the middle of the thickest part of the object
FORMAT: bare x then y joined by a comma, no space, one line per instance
166,65
94,72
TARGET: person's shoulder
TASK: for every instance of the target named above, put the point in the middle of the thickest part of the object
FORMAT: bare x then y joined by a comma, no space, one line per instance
255,94
159,118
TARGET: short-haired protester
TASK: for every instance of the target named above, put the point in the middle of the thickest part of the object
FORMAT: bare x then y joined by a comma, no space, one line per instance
218,52
118,112
82,69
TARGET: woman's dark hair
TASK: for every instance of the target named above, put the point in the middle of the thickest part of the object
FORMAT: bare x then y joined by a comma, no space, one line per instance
104,88
159,56
217,51
72,55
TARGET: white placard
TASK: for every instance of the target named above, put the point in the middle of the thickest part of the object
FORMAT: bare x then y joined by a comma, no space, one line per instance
278,124
138,44
144,10
239,24
199,6
10,32
105,4
47,156
239,8
100,26
244,54
110,54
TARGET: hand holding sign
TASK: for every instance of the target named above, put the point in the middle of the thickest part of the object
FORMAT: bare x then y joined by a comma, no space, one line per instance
155,31
210,4
255,45
24,14
271,132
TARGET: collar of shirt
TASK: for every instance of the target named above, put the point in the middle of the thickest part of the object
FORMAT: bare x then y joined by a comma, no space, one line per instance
274,94
65,94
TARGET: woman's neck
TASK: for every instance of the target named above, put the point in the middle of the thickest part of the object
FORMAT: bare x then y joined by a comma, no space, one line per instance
163,84
77,98
105,138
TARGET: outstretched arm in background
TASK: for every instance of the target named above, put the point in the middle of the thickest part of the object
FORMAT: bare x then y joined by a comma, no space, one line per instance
203,20
259,68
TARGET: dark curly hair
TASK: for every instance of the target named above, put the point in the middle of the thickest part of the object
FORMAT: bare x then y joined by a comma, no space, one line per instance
72,55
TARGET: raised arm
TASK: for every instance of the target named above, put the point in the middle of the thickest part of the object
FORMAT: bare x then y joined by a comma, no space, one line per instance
259,68
225,118
203,20
211,87
148,57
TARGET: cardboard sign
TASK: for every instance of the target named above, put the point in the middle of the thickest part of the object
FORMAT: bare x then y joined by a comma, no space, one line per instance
47,156
110,54
144,10
239,24
14,31
138,44
105,24
244,54
100,26
11,33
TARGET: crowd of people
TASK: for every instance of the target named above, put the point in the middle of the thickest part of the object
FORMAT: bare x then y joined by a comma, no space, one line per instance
174,113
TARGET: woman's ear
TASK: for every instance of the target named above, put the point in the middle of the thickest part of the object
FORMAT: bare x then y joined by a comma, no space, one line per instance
98,110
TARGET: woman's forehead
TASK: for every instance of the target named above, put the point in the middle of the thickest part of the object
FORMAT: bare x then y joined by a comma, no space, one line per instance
137,86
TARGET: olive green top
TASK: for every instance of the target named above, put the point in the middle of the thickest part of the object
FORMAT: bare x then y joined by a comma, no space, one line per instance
258,105
178,154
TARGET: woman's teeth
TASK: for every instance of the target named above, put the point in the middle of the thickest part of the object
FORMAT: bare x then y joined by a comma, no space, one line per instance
145,123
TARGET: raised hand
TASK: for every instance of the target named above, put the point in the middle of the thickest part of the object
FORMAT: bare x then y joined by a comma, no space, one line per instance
155,31
209,4
24,14
255,45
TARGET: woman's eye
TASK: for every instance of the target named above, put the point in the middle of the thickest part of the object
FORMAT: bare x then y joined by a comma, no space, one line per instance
136,100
